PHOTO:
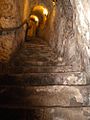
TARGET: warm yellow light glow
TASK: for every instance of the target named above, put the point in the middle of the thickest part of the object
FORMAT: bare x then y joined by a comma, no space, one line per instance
41,12
54,2
38,19
41,9
45,12
35,19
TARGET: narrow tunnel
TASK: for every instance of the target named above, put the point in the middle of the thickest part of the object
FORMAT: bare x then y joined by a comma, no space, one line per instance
44,60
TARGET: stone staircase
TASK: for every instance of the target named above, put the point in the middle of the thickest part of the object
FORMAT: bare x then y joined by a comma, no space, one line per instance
36,86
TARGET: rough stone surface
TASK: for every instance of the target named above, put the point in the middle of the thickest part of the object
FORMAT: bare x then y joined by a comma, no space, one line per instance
37,55
59,114
44,96
59,34
46,114
81,13
70,78
10,16
49,75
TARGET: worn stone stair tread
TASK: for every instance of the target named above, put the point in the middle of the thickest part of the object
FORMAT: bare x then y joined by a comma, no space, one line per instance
39,81
31,55
45,96
37,59
55,113
59,113
46,113
29,79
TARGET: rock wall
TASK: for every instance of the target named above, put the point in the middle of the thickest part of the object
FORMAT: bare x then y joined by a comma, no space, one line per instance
11,15
60,35
81,23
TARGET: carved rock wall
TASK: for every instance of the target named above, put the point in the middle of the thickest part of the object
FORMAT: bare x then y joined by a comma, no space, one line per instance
11,15
81,18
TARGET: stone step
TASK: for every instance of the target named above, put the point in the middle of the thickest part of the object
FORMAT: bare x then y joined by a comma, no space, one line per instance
37,55
55,113
59,114
44,96
40,79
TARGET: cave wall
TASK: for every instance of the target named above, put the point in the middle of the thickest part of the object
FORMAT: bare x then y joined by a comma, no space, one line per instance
81,24
11,15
